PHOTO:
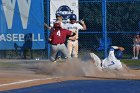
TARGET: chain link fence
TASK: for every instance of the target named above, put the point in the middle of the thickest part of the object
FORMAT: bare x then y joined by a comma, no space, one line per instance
122,24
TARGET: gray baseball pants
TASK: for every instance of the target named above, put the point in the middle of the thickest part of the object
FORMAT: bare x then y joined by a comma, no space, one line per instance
59,47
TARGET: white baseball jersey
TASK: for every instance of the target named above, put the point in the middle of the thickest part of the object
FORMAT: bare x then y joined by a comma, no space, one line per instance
73,27
111,62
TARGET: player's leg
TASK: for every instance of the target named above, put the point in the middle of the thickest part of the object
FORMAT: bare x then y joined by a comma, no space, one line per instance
54,52
96,60
69,46
25,52
31,53
137,51
75,49
64,50
58,56
134,52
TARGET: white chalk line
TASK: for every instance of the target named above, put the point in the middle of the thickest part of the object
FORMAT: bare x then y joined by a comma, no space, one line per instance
27,81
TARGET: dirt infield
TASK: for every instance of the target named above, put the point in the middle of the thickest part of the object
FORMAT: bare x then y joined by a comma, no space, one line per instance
25,73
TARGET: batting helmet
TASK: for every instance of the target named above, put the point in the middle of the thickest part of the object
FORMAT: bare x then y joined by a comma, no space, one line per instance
73,17
119,54
57,25
58,15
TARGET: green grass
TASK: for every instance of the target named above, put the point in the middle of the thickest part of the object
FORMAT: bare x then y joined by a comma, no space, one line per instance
5,64
130,62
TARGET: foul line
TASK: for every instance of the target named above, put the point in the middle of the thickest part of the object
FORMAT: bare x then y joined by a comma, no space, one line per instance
26,81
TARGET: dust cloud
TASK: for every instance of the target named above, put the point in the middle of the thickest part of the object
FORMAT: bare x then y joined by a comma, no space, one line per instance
76,67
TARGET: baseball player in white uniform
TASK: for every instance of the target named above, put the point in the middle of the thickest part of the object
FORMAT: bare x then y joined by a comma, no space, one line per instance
110,62
74,26
59,19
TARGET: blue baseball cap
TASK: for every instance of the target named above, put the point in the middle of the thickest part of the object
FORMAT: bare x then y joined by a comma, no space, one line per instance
119,54
73,17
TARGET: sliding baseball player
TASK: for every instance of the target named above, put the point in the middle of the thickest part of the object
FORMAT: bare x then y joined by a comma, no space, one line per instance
110,62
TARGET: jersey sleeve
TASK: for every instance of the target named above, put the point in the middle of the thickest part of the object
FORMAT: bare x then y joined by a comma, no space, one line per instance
68,32
51,35
80,27
115,47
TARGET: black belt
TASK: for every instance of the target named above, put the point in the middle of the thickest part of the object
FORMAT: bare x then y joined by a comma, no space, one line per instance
73,40
58,44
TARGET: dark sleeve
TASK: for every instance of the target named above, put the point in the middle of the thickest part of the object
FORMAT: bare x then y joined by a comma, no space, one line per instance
51,35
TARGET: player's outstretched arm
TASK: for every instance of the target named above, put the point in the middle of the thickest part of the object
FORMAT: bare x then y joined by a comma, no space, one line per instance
121,48
118,47
47,26
83,24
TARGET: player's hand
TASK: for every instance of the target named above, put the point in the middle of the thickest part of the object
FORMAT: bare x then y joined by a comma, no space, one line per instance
81,22
50,39
121,48
72,38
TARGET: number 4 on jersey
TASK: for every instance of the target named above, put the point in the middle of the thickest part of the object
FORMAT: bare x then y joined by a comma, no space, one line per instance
58,33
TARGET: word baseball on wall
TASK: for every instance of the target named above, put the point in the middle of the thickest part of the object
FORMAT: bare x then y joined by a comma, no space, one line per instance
19,18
